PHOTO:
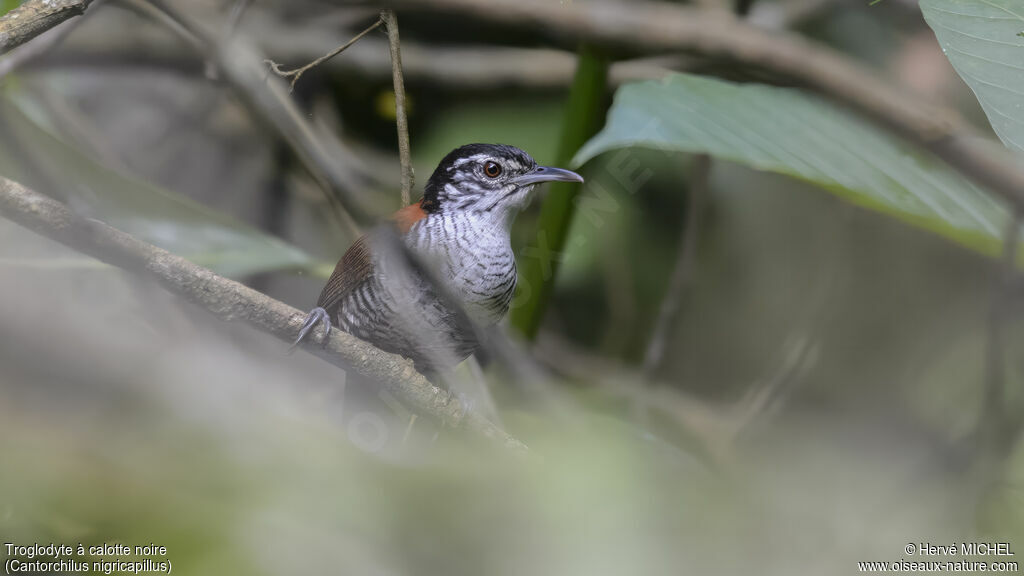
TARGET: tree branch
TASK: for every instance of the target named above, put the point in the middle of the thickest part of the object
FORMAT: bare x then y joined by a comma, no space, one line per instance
35,17
231,301
401,120
297,73
647,27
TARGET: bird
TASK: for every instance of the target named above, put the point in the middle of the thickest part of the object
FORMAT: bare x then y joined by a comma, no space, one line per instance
460,231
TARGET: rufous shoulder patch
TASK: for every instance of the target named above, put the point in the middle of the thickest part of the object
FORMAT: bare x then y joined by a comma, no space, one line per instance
408,216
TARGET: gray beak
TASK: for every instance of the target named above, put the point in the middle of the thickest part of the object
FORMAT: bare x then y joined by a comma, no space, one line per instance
548,174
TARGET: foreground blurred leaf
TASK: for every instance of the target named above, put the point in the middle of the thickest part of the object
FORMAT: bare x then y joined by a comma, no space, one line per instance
982,40
786,131
33,156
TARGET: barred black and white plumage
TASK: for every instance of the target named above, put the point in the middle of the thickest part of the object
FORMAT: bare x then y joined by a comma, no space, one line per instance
461,230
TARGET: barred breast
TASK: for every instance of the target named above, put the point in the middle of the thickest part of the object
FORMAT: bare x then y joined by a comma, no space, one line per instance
401,313
473,252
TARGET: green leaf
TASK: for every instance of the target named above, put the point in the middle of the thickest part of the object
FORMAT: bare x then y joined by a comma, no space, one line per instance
789,132
982,40
31,155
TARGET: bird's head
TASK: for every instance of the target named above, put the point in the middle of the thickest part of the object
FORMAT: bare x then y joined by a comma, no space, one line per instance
492,178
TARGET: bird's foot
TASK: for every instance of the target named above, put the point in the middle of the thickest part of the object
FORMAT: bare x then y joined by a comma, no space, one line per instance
316,316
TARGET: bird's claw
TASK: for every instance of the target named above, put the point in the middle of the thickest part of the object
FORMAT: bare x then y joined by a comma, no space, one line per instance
316,316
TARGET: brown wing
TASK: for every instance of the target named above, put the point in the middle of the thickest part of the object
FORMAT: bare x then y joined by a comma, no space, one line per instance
353,268
356,265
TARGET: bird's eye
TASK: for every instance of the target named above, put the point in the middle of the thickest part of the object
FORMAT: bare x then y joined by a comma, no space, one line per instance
492,169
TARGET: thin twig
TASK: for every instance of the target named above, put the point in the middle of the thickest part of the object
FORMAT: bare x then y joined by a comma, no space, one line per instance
682,272
231,301
297,73
401,120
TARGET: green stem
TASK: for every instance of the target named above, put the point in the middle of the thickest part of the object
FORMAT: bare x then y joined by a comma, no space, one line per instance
584,116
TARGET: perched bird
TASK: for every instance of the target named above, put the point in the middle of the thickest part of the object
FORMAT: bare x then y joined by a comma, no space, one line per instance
460,230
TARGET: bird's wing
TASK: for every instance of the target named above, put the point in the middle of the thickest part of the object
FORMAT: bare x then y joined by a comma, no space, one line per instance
352,270
356,266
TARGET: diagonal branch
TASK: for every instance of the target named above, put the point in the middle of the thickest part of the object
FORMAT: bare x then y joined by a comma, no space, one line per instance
231,301
35,17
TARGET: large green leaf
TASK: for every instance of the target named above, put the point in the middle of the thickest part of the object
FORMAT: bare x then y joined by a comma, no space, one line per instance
982,39
789,132
35,157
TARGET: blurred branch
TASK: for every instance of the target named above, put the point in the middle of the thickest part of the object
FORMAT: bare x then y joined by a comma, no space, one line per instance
682,272
648,27
231,301
297,73
401,120
35,17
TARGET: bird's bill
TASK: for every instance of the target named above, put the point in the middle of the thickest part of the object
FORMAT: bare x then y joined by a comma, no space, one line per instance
548,174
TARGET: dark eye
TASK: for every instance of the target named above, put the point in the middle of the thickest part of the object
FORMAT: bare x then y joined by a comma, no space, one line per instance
492,169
